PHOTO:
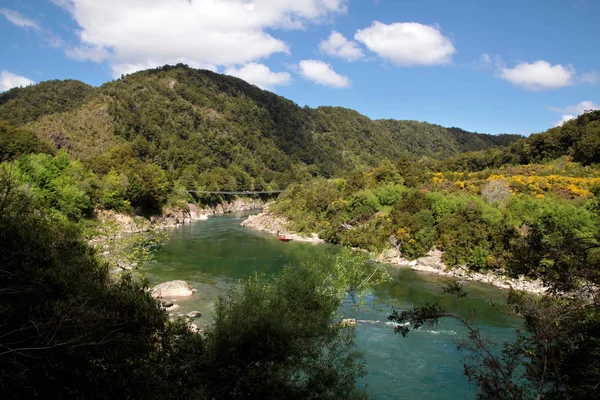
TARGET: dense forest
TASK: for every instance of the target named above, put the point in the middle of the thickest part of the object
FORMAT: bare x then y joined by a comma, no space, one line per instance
516,206
180,128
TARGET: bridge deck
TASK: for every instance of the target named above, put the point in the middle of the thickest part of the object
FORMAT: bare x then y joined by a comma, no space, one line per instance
242,192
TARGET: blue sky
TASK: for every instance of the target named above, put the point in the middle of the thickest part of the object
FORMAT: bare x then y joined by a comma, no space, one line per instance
487,66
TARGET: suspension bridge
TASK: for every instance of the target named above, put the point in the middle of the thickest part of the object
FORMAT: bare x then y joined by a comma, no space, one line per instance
240,192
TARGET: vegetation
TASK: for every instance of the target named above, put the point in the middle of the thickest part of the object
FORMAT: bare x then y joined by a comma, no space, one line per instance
68,331
521,207
26,104
490,213
282,339
192,129
577,138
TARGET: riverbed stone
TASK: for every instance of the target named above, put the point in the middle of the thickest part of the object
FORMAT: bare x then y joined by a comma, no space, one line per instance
167,303
172,289
194,314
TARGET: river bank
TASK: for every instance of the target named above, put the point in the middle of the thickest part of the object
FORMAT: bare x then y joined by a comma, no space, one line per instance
276,225
117,234
431,263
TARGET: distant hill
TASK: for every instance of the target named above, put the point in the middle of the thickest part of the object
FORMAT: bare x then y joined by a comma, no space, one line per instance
26,104
579,139
196,123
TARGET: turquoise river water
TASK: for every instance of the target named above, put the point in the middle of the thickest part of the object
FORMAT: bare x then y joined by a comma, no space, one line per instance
213,255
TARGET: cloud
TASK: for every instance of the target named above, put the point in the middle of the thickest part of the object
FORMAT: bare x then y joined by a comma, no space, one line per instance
338,46
591,78
564,119
539,75
19,20
9,80
203,32
260,75
485,58
322,73
407,43
49,38
88,53
52,40
577,109
573,111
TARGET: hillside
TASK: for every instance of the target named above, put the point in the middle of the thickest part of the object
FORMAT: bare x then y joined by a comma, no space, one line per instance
26,104
578,139
182,118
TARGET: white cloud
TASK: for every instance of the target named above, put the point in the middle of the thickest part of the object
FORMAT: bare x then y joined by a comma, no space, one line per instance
8,80
337,45
203,32
52,40
573,111
407,43
539,75
565,118
19,20
322,73
591,78
577,109
485,58
49,38
88,53
260,75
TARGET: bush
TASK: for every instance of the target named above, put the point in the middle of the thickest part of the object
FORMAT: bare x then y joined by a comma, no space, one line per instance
363,204
389,194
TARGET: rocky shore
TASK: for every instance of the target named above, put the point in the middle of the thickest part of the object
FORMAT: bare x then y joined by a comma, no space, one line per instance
267,222
431,263
115,227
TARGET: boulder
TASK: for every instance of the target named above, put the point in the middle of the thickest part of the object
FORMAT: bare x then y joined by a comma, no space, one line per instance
166,303
193,314
389,256
172,289
194,328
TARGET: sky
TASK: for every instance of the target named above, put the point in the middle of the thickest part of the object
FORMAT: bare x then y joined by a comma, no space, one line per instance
510,66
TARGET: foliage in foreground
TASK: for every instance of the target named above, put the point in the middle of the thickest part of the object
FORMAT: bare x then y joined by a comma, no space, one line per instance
68,331
556,354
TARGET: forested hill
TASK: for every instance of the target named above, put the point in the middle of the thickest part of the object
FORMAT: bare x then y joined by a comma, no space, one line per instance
26,104
578,139
219,131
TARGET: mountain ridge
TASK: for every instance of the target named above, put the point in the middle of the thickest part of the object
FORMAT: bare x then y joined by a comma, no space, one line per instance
182,118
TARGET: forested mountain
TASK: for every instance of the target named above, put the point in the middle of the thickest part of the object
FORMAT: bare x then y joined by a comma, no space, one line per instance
577,138
25,104
198,121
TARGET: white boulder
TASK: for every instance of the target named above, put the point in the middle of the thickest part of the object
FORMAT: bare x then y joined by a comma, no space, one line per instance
172,289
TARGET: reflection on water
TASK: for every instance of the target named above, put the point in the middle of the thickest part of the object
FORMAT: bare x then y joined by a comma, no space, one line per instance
213,255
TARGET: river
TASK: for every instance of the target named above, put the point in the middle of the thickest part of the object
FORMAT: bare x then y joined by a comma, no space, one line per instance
213,255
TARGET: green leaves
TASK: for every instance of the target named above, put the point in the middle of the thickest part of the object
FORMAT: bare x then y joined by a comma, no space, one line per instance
281,338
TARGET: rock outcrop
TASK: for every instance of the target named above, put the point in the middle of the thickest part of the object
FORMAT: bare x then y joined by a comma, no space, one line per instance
172,289
193,314
275,224
432,263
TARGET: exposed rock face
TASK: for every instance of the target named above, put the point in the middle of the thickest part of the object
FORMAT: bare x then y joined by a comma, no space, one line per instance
172,289
173,218
275,224
432,263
